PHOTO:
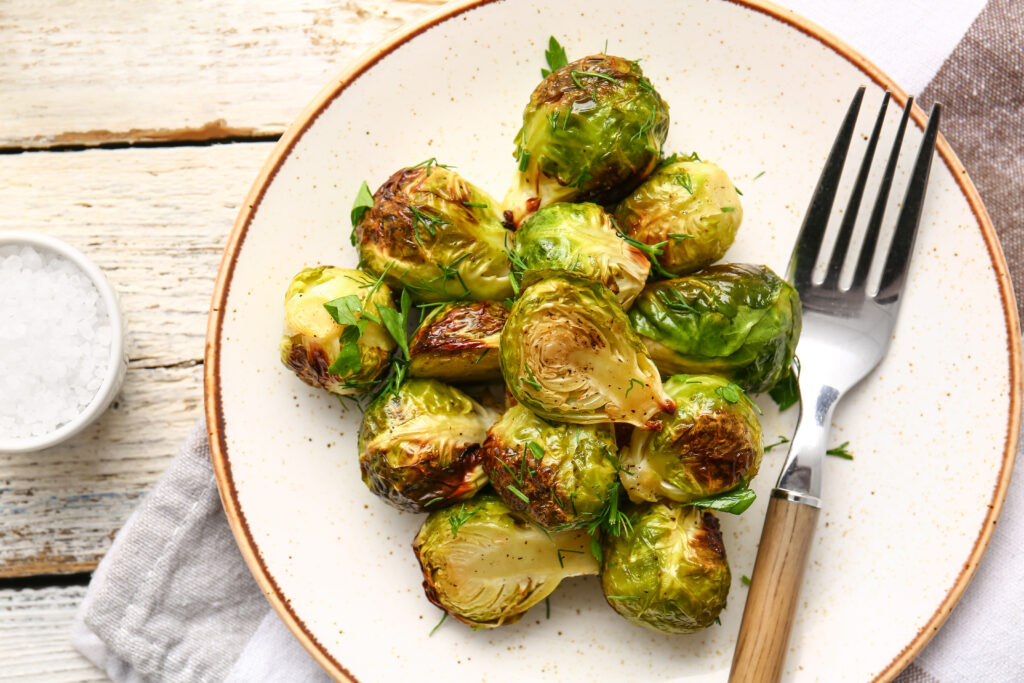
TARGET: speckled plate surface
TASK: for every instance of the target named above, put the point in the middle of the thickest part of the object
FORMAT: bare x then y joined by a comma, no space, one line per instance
751,87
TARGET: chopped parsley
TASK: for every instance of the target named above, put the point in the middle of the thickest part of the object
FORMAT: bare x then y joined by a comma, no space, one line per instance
734,501
840,451
781,441
555,57
745,580
362,204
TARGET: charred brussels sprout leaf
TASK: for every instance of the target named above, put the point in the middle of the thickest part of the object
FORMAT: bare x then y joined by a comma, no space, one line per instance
593,129
689,206
332,334
739,321
458,342
568,353
579,239
436,235
486,565
710,445
420,446
670,574
565,472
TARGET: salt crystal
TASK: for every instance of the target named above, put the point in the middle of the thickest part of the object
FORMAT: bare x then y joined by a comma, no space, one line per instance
55,340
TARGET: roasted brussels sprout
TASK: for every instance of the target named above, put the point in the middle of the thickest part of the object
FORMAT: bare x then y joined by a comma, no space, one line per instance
670,574
486,565
690,207
569,354
419,447
436,235
735,320
592,131
711,444
313,341
580,239
458,342
561,475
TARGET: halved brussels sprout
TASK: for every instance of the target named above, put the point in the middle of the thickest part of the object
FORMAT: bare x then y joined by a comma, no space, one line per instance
435,234
458,342
419,447
486,565
579,239
313,341
568,353
561,475
711,444
669,575
591,131
736,320
689,206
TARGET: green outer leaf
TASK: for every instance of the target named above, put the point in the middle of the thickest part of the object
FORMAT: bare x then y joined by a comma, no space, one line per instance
740,321
734,502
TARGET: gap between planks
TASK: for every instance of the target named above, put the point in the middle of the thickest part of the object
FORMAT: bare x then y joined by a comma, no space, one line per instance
155,220
76,75
35,643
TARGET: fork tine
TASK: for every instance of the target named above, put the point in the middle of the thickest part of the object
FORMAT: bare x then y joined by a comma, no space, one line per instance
835,264
867,250
897,262
801,264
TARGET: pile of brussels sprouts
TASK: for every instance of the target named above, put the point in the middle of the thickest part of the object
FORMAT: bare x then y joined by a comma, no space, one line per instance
586,287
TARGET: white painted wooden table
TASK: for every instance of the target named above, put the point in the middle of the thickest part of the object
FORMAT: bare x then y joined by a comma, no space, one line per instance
133,130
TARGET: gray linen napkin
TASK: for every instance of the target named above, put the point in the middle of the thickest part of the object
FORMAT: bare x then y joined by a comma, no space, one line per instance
173,600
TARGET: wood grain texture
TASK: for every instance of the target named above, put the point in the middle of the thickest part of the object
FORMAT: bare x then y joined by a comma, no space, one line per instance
763,640
85,73
155,220
34,640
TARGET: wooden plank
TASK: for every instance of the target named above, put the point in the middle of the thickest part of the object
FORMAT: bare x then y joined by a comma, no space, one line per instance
156,221
34,642
85,73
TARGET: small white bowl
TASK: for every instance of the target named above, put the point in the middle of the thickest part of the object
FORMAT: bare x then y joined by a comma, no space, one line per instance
117,362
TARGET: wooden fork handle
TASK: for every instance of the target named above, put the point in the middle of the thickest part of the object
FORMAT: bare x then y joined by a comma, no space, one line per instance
774,592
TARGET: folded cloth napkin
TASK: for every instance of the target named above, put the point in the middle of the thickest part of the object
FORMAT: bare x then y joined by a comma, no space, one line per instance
174,601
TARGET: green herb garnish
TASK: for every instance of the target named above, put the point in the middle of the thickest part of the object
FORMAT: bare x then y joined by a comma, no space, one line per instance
438,624
734,502
459,518
362,204
840,451
555,57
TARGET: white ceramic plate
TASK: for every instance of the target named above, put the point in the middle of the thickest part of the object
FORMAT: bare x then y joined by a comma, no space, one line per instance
752,87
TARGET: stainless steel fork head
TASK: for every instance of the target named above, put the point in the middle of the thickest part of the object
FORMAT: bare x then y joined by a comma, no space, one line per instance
846,332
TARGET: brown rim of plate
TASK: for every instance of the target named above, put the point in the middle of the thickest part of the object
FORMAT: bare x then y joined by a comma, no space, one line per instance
213,403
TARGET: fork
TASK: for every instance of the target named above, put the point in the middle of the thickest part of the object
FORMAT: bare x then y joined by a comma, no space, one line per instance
846,332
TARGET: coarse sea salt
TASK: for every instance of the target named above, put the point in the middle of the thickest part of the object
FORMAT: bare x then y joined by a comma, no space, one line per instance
55,340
